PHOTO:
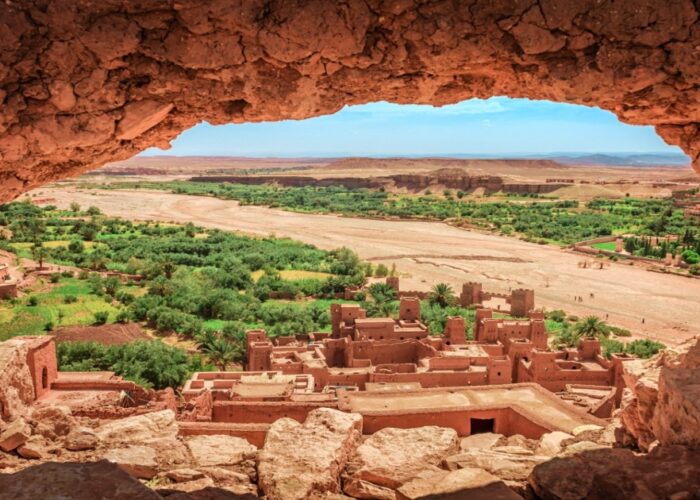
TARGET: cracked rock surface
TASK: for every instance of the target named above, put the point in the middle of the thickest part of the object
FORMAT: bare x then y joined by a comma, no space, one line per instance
83,83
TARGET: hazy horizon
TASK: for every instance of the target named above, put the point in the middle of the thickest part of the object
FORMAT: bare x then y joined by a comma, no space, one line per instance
498,127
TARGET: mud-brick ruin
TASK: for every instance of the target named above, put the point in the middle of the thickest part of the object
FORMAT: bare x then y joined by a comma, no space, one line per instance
395,374
377,408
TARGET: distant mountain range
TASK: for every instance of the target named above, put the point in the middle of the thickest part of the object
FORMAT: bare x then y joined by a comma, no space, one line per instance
624,159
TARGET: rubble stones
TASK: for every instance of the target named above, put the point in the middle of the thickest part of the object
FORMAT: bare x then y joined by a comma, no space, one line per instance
14,434
81,439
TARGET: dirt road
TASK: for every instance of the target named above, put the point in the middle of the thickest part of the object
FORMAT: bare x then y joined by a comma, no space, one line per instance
429,253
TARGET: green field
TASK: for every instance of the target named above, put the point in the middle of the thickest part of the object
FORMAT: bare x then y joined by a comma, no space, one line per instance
609,246
20,318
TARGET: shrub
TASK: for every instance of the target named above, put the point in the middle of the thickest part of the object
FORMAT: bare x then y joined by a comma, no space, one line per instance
557,315
644,348
124,297
381,271
70,299
67,274
55,277
48,326
123,316
100,318
33,301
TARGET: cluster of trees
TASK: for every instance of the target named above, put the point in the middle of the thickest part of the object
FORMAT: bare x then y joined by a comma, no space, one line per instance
562,222
570,335
151,364
687,244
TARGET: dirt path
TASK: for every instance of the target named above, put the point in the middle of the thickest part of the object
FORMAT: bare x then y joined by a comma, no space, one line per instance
434,252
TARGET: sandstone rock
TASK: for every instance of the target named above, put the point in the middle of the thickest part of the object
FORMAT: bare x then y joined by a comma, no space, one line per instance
34,448
81,439
184,475
15,434
299,460
484,440
299,60
462,484
141,116
156,431
550,443
666,472
52,421
358,488
74,481
664,400
390,457
586,428
16,388
139,429
513,468
139,461
580,447
219,450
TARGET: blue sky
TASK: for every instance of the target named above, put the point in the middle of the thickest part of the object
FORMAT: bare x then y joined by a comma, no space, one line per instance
497,126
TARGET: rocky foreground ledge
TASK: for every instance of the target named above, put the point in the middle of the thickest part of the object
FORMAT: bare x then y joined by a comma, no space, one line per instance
650,450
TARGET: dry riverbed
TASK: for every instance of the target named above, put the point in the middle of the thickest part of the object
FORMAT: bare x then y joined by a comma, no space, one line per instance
431,252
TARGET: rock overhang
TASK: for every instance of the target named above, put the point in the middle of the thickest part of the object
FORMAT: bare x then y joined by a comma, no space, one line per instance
84,83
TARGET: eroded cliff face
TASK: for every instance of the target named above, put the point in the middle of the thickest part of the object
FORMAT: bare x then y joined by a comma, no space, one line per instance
83,83
661,404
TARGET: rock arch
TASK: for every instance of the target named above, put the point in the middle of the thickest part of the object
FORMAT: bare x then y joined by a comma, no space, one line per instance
83,83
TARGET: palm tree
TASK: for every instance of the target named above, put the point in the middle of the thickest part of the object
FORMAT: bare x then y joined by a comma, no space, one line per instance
442,295
381,292
220,352
591,327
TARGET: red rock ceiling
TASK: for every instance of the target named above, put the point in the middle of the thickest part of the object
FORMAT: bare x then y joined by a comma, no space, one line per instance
85,82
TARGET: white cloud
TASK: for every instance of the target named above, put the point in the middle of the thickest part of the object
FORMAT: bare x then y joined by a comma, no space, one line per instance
470,107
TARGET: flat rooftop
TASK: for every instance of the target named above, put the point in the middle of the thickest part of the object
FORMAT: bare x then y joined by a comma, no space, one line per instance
530,400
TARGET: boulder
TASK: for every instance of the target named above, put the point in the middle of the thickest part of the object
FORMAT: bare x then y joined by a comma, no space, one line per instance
14,434
139,461
74,481
390,457
481,441
139,429
157,431
219,450
462,484
662,402
81,439
299,460
666,472
551,443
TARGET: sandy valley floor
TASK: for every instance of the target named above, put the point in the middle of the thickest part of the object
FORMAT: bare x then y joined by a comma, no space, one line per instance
426,253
